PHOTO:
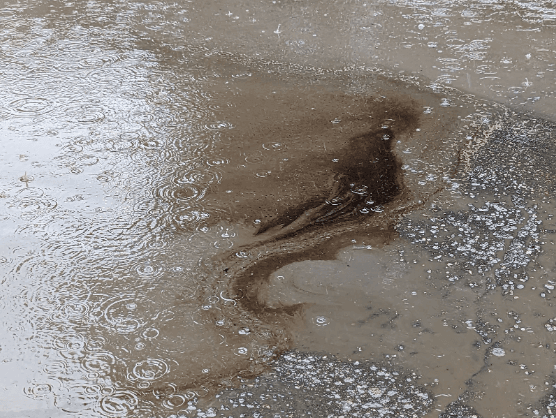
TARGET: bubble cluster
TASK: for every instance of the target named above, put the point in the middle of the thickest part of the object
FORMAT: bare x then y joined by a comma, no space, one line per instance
307,384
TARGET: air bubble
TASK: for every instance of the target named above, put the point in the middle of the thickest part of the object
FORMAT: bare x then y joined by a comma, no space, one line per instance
150,333
498,352
321,321
274,146
360,190
244,331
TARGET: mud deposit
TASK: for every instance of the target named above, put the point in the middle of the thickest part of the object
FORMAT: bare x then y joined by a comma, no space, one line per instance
332,173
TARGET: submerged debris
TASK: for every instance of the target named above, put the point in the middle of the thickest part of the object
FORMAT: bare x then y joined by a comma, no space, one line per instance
548,407
458,409
499,236
478,237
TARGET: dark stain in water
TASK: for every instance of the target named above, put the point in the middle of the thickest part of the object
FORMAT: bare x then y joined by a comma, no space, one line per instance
365,176
359,190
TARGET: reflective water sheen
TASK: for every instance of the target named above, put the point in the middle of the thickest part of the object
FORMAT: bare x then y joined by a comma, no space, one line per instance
277,208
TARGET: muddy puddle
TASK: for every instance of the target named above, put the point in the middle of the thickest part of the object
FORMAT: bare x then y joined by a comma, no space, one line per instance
277,209
420,283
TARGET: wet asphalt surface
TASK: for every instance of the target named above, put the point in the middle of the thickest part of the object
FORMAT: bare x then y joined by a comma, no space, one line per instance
513,176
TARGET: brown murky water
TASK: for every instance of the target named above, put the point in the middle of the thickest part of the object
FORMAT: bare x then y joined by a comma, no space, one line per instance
277,208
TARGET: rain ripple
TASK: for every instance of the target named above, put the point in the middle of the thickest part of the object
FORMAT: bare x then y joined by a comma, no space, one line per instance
121,314
77,397
150,369
30,203
99,363
100,61
174,401
30,106
75,310
148,270
114,76
274,146
189,219
74,342
255,158
183,193
118,404
125,141
196,176
88,113
38,390
62,65
56,368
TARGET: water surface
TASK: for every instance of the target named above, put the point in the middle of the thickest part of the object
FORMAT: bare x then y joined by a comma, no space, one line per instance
215,209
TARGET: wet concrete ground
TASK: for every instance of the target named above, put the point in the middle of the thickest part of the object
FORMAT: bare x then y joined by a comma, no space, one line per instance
277,209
